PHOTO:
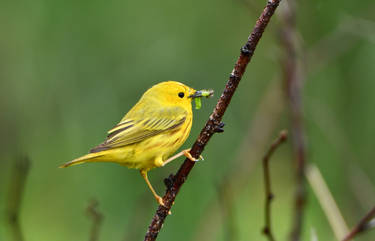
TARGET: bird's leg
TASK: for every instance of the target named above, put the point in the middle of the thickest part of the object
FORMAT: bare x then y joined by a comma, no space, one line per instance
157,197
173,157
185,153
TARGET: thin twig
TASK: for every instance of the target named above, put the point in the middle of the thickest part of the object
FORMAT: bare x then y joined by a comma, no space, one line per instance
16,190
255,142
97,218
293,83
267,230
214,121
316,56
364,224
327,202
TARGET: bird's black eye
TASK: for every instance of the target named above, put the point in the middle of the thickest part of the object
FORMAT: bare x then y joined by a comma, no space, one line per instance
181,94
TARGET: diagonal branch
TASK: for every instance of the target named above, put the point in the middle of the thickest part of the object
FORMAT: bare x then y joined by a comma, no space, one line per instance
267,230
214,120
255,142
365,224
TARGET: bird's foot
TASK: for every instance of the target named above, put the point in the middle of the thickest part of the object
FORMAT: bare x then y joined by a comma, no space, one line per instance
190,157
160,200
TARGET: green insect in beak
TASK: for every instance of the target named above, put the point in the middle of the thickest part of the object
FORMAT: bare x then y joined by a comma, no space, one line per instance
198,95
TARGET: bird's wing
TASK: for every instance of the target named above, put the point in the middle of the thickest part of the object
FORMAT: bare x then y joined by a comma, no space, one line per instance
137,127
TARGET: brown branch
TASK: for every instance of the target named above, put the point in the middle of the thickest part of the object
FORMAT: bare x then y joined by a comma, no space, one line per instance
293,84
97,219
267,116
214,120
252,148
16,189
364,224
267,230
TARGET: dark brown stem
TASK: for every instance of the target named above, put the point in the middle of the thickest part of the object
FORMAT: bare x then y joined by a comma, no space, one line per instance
214,120
267,230
97,219
293,84
362,226
253,146
16,189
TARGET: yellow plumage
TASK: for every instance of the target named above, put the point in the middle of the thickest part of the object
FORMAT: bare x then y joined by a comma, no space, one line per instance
150,132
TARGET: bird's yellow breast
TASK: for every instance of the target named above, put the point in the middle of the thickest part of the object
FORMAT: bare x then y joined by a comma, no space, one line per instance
152,152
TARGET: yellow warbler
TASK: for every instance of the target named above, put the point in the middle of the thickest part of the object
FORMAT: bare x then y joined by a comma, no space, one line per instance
150,132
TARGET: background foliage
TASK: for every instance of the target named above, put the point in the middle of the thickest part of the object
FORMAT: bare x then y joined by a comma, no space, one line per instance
69,70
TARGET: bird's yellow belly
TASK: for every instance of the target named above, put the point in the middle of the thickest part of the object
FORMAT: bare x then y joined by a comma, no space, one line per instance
153,151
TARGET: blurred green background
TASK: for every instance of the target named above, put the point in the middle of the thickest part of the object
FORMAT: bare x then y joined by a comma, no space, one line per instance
69,71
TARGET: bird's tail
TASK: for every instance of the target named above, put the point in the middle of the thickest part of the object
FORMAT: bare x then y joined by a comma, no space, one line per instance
91,157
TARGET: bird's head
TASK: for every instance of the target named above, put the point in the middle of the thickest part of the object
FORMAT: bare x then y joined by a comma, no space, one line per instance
172,93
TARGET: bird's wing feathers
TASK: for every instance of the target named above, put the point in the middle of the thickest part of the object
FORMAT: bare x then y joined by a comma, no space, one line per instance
135,128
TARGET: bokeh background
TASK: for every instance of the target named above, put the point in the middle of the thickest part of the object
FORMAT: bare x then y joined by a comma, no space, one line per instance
69,70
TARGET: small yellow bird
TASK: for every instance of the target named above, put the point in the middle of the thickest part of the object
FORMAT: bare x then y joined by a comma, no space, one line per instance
150,132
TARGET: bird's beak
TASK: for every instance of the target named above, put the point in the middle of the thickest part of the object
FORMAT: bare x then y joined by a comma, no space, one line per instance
202,93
